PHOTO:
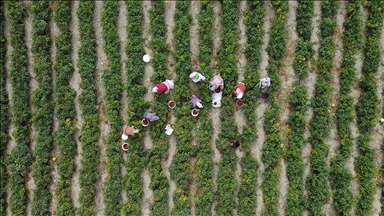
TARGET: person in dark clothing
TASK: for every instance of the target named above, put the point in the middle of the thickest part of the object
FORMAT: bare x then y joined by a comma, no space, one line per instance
235,144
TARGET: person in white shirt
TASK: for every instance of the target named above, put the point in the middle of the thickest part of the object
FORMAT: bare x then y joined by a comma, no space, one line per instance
263,84
196,77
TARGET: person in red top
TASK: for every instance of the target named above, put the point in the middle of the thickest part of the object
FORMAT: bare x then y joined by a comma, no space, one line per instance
164,87
239,90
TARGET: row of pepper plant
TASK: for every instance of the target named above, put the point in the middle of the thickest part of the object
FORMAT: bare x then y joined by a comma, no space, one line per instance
158,152
204,162
88,105
341,176
367,109
253,19
20,158
317,180
43,102
65,109
113,94
136,155
272,146
4,113
227,68
296,201
181,170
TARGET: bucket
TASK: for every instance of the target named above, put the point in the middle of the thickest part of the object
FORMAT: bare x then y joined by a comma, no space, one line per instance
195,112
239,103
265,96
171,104
145,122
218,90
124,146
146,58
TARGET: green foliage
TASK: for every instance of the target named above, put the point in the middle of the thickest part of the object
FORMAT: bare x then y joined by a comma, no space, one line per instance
296,201
341,177
227,67
159,183
44,107
180,169
204,163
4,113
113,94
65,108
253,19
136,155
20,157
366,109
317,179
88,105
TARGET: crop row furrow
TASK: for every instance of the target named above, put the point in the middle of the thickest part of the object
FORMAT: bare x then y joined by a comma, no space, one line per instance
88,105
136,155
367,108
341,177
113,94
296,201
204,164
20,158
227,68
253,19
4,113
272,146
320,129
159,183
42,100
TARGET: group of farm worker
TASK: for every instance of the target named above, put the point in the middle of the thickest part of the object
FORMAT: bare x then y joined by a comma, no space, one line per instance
216,85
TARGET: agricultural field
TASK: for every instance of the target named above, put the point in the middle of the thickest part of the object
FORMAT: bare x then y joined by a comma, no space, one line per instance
72,75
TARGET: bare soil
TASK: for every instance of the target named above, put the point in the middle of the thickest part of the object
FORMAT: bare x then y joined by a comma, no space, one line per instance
33,85
8,88
148,72
194,48
170,7
122,22
310,82
215,112
332,140
261,136
239,114
74,83
288,77
55,31
101,64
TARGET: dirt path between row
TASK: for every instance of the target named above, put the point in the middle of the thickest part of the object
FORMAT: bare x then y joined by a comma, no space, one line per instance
55,32
101,64
378,134
148,142
310,83
33,85
169,13
332,139
122,32
239,113
8,88
287,79
215,112
269,15
194,9
75,85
